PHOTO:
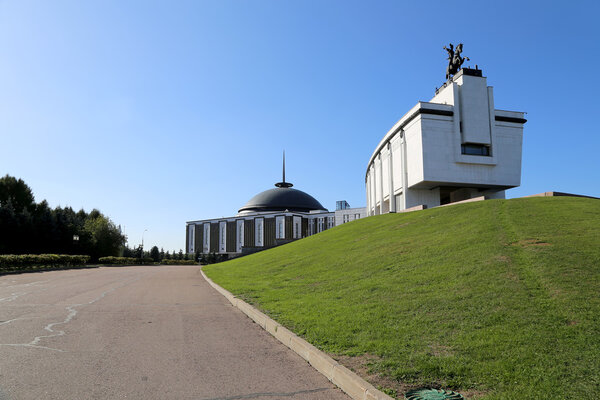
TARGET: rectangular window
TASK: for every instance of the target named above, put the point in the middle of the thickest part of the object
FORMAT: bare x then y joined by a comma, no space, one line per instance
258,232
297,224
280,230
222,236
475,149
191,231
205,247
240,235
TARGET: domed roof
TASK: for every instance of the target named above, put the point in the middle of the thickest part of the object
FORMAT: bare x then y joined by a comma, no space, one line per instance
281,198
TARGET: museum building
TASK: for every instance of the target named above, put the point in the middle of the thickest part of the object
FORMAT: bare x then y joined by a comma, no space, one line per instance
455,147
271,218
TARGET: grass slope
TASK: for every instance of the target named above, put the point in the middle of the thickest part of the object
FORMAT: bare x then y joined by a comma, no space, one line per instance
496,299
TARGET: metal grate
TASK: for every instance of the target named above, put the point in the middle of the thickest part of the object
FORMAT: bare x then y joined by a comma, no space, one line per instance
432,394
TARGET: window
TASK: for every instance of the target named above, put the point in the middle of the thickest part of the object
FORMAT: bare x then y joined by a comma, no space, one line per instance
280,227
258,232
206,238
223,237
240,232
191,237
356,216
475,149
297,227
330,222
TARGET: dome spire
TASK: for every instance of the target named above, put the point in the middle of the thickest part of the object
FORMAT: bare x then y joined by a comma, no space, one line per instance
283,184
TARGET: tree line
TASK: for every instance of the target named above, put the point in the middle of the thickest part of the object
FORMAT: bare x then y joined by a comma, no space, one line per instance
156,254
27,227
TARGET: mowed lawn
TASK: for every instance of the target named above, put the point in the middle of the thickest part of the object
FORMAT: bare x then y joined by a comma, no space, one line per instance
497,299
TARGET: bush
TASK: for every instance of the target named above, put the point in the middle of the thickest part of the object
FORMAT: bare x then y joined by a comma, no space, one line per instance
213,258
178,262
125,260
23,262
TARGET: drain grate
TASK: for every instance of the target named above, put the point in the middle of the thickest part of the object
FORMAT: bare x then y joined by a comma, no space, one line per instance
432,394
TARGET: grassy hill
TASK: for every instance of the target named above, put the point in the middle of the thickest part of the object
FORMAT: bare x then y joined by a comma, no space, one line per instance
496,299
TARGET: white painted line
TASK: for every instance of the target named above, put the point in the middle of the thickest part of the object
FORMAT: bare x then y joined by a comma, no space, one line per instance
72,312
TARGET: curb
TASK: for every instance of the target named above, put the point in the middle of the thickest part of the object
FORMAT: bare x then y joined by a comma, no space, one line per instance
353,385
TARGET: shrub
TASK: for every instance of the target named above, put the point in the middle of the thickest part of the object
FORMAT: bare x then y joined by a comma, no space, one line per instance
125,260
213,258
23,262
179,262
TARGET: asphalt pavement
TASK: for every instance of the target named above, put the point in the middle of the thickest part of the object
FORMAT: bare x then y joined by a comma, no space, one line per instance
140,333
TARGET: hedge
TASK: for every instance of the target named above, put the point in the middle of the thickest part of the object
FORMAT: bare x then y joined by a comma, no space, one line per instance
23,262
125,260
178,262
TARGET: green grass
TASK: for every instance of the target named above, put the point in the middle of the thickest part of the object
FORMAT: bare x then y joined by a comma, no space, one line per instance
497,299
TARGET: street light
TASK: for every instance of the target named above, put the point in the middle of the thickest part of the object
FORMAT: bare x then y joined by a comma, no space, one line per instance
142,252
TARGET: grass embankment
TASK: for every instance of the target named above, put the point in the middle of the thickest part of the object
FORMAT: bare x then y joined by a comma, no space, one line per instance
497,299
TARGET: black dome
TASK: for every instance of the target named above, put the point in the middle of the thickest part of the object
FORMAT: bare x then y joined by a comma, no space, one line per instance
280,199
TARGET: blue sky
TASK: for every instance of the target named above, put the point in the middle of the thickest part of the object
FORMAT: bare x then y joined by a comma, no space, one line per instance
160,112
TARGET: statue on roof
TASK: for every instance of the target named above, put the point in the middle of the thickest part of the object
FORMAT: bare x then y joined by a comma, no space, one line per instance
455,61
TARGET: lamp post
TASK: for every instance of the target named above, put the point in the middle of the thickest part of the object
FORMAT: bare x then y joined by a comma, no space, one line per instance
142,252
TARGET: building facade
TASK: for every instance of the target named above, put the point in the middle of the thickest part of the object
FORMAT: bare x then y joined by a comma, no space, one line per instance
271,218
455,147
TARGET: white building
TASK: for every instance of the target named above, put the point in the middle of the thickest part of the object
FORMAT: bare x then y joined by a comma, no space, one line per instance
456,147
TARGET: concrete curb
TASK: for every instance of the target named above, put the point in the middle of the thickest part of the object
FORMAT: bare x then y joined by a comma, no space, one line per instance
353,385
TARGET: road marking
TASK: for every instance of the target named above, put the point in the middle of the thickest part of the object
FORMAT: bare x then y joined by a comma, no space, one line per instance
72,312
15,295
15,319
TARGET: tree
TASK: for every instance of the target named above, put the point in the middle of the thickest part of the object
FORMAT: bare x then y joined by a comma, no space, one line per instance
17,192
105,236
27,227
162,254
155,254
127,252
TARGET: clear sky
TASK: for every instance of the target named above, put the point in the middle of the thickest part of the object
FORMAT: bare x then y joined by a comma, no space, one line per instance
161,112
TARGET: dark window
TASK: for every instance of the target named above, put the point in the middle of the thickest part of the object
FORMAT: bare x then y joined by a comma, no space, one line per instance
474,149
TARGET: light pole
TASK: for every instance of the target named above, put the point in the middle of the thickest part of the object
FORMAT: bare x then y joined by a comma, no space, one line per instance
142,252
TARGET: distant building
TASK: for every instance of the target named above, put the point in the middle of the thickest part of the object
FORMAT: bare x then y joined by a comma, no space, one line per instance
456,147
271,218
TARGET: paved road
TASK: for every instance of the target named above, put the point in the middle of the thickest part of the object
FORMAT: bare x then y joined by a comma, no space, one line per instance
139,333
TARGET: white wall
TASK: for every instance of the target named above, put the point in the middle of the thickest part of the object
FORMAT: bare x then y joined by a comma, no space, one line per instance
351,213
430,155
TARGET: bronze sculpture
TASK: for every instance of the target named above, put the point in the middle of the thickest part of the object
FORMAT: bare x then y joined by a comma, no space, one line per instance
455,61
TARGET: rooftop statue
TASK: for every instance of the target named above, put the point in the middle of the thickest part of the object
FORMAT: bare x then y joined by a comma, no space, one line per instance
455,61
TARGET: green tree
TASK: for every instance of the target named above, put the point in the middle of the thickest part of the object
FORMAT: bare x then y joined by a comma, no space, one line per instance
105,237
155,254
17,193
